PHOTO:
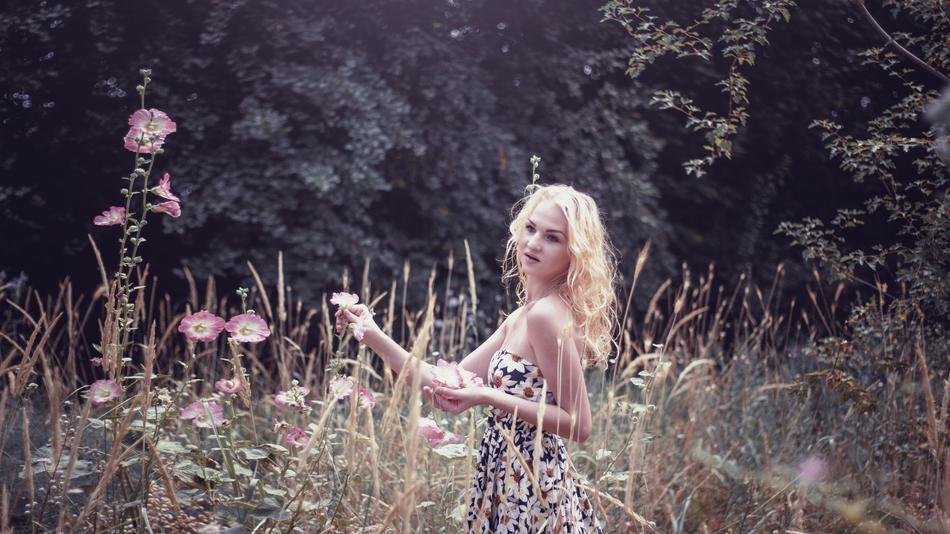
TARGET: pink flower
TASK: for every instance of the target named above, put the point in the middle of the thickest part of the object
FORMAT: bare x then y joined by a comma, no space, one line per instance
152,122
164,188
201,326
341,387
113,215
103,391
812,469
171,207
141,143
365,398
296,437
197,412
228,387
344,299
450,375
435,435
295,397
96,362
247,328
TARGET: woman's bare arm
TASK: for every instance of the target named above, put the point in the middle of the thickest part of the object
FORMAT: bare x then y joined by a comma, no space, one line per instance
397,357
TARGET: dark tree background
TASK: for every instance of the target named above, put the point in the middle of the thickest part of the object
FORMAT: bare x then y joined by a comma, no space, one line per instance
338,131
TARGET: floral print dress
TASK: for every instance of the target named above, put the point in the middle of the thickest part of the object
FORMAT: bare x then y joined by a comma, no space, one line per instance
504,499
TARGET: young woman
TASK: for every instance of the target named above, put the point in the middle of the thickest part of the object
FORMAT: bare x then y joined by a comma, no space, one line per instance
560,255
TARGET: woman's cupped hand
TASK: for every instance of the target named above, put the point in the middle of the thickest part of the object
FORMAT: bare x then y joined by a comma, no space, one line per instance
455,401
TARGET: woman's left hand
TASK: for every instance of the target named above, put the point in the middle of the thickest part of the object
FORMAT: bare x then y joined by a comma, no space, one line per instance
456,401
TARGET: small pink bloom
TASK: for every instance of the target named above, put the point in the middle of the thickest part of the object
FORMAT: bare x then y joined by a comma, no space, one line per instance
199,415
164,188
341,387
296,437
96,362
152,122
113,215
365,398
247,328
171,207
201,326
450,375
812,469
103,391
295,397
344,299
142,143
228,386
435,435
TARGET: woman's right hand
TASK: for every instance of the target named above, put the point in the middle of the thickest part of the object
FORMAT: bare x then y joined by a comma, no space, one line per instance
358,315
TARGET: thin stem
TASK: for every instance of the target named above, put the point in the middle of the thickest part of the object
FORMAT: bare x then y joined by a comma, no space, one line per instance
862,7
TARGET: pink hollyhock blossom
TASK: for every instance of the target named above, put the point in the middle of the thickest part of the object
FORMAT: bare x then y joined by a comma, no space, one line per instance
435,435
103,391
812,469
344,299
450,375
295,397
113,215
341,387
164,188
201,326
228,386
152,122
296,437
199,415
365,398
247,328
171,207
141,143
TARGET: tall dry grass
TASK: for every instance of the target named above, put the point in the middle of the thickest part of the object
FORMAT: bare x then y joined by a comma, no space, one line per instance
703,423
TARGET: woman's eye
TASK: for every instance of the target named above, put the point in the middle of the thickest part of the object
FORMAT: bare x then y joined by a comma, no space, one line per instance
529,228
552,239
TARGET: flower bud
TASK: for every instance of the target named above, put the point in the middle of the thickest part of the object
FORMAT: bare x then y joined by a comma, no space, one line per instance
140,88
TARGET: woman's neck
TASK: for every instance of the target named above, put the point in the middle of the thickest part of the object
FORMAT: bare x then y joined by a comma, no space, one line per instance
538,289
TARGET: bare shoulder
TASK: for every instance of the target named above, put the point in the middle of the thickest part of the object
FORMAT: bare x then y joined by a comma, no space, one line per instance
549,314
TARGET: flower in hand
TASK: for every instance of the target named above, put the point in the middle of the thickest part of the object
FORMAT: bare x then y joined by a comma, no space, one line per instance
449,375
357,315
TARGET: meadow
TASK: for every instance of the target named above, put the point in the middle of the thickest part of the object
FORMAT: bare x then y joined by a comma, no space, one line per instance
707,420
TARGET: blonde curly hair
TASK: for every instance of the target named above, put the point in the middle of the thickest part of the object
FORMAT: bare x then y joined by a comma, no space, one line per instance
588,287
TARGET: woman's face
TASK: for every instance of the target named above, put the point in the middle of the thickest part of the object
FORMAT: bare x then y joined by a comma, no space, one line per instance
542,246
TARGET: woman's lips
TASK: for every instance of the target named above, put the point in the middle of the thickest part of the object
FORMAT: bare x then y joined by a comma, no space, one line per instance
531,259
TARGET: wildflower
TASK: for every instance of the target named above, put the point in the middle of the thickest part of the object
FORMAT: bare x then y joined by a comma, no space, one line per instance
113,215
435,435
450,375
103,391
341,387
164,188
365,398
247,328
170,207
296,397
344,299
812,469
296,437
229,387
152,122
201,326
197,412
96,362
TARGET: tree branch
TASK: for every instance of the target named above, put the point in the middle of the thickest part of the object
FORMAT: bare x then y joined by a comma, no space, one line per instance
900,49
